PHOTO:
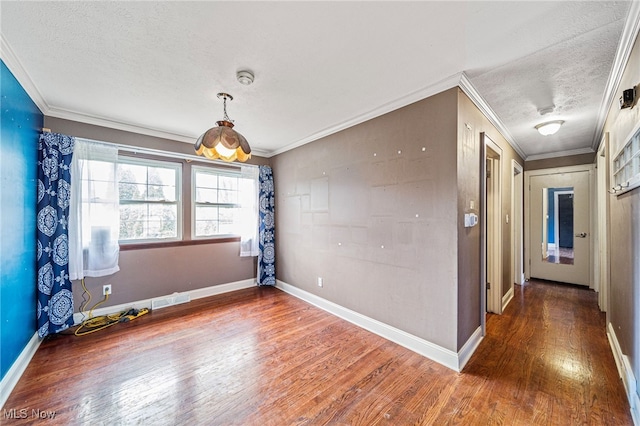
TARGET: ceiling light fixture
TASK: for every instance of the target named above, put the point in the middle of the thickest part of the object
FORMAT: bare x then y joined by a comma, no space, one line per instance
223,142
550,127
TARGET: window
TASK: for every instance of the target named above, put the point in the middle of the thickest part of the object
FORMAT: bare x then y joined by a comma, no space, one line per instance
150,206
220,201
626,165
93,210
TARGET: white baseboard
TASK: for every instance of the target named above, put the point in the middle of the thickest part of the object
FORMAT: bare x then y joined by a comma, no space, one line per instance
507,298
464,354
12,377
446,357
222,288
626,373
146,303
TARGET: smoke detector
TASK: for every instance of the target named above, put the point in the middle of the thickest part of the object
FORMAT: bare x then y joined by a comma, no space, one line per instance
245,77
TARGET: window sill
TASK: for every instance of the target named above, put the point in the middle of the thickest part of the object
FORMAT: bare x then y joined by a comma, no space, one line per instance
165,244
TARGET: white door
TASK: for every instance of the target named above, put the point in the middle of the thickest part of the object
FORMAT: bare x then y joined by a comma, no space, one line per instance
559,227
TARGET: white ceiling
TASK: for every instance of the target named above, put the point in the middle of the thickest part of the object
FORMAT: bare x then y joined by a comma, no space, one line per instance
155,67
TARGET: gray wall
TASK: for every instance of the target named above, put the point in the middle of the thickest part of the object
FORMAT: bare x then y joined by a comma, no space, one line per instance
153,272
338,205
469,191
624,309
378,226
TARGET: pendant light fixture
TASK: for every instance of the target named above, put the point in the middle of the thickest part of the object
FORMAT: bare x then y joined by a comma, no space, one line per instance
222,142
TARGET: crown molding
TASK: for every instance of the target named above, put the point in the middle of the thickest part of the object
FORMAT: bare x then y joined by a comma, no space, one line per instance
127,127
118,125
12,62
627,41
403,101
469,89
555,154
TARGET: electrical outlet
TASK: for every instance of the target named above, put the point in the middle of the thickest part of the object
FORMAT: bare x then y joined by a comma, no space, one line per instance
320,282
106,289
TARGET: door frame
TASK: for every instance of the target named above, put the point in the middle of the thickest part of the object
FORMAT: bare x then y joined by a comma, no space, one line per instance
491,299
601,254
517,204
527,208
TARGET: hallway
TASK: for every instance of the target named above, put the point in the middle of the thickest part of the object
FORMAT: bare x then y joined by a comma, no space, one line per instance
548,358
262,357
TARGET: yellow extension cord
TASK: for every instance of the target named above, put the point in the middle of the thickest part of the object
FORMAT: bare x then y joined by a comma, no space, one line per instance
91,324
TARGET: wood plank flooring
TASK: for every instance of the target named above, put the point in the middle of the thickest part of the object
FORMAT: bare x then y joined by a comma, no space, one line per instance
261,357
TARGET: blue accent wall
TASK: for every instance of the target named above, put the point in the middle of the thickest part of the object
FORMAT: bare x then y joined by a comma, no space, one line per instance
20,125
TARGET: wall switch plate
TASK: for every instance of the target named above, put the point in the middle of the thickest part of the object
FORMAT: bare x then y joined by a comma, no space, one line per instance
470,220
320,282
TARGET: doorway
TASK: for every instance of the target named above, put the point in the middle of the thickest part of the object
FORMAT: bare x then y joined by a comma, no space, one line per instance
517,201
601,273
559,224
492,226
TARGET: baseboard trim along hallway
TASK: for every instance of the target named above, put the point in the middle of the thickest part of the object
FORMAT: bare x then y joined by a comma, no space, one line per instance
626,374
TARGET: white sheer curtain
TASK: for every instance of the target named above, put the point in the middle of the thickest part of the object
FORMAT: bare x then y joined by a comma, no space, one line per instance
249,210
94,218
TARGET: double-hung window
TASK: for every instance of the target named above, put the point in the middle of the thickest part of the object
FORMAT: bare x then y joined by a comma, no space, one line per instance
150,201
216,195
224,202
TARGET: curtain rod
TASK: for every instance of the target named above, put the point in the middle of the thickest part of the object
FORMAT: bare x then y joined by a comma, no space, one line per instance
162,153
170,154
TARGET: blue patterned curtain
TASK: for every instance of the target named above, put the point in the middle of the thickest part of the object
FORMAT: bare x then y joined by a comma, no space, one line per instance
55,300
267,254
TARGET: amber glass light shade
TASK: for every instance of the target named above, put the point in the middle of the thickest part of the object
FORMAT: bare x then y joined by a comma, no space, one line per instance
223,143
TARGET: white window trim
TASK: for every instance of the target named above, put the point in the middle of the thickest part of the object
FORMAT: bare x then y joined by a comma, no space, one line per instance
211,170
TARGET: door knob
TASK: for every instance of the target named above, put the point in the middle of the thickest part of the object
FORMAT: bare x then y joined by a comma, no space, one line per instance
581,235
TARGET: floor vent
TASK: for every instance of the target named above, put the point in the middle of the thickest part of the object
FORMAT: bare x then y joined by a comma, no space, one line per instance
173,299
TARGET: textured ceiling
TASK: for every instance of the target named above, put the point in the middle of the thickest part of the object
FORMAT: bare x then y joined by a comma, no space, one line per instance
155,67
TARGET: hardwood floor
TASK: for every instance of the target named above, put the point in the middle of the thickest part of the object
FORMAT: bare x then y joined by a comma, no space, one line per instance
261,357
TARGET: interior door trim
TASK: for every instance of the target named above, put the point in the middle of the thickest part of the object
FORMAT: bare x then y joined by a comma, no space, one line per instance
527,208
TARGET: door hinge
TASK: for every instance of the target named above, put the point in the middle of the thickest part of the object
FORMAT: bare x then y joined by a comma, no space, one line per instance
488,286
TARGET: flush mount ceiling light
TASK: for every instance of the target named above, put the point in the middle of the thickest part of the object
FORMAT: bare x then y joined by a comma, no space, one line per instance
223,142
549,128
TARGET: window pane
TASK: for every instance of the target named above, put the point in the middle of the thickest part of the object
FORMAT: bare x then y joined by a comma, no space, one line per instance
206,213
161,184
206,180
148,181
161,193
206,195
103,169
162,221
229,197
227,214
206,228
131,191
131,173
228,182
132,221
